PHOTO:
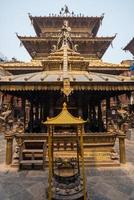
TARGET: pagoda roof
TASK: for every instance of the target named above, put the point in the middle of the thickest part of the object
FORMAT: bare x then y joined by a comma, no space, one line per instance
44,24
18,67
64,118
90,47
38,65
98,63
53,80
130,47
3,72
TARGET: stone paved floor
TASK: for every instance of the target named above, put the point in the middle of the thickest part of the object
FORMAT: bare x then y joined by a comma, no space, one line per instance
103,183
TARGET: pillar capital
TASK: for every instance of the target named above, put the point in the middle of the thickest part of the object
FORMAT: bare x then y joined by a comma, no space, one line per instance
121,134
9,136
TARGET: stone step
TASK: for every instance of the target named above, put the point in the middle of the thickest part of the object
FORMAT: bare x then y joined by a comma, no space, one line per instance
87,156
102,164
35,141
87,163
29,162
98,164
32,151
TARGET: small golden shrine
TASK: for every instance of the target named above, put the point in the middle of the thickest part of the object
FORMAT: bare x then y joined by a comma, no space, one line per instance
66,180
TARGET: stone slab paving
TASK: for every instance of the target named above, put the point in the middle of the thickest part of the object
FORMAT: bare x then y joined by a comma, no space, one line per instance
102,183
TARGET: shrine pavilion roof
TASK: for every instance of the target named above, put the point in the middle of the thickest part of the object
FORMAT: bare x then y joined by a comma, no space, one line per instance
89,47
130,47
3,72
64,118
38,65
79,23
53,80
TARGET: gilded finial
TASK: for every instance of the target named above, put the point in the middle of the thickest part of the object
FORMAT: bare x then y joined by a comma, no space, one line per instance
65,11
64,106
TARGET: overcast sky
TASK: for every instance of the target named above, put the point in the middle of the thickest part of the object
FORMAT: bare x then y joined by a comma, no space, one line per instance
119,18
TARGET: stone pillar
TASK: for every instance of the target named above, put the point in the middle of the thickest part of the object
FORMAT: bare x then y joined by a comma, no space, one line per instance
122,137
9,147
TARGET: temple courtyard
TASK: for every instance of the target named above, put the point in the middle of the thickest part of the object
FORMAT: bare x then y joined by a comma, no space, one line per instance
103,183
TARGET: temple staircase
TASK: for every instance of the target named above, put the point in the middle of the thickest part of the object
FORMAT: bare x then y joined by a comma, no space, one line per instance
32,154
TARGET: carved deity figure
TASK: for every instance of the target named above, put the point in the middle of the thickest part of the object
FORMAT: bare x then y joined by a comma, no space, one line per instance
4,115
6,119
66,29
122,117
65,36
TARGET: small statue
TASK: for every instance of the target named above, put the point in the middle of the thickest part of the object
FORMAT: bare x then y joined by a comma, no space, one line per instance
131,119
53,48
122,117
6,119
76,47
114,155
4,115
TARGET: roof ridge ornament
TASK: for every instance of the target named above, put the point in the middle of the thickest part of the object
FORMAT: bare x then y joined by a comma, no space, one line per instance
65,11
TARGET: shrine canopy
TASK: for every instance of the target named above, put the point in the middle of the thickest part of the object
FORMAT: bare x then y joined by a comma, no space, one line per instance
64,118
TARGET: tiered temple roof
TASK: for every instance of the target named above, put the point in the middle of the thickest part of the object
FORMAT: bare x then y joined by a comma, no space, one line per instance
3,72
38,65
39,47
64,63
83,33
130,47
53,76
50,25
